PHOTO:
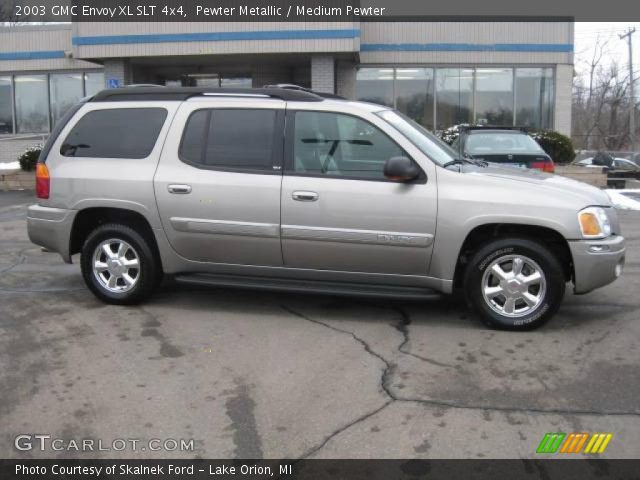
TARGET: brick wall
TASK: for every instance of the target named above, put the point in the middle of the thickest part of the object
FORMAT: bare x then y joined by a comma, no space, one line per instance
562,107
119,69
322,73
346,80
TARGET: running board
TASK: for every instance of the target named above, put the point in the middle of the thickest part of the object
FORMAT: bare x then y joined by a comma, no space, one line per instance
307,286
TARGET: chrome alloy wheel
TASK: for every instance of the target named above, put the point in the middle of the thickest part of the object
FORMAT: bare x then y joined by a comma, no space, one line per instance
513,285
116,265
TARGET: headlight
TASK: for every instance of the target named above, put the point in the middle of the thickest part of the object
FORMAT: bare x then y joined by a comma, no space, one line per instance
594,222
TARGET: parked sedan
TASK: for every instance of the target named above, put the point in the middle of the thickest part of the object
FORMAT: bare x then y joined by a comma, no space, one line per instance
617,163
508,147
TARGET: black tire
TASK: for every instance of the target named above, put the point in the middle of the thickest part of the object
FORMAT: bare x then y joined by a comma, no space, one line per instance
495,251
148,275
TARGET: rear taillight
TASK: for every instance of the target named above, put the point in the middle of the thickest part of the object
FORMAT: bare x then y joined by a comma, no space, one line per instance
546,166
43,182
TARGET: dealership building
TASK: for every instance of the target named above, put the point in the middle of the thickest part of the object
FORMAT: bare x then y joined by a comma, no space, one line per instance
440,73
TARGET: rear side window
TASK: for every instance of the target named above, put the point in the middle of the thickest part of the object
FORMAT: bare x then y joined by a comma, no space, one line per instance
115,133
233,139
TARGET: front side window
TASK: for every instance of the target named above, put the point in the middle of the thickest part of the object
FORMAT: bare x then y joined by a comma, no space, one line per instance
229,138
339,145
115,133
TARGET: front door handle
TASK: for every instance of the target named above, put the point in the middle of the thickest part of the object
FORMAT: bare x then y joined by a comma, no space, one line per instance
179,189
305,196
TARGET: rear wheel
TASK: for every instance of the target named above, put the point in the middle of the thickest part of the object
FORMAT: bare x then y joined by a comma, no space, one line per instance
514,284
118,265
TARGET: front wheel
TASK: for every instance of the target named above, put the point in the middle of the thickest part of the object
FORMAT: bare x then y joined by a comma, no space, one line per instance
118,265
514,284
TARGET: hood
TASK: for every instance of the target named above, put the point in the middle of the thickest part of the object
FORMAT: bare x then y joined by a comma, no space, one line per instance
553,184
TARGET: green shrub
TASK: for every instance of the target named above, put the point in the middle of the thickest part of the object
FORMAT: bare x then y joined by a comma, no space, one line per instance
557,145
450,134
29,158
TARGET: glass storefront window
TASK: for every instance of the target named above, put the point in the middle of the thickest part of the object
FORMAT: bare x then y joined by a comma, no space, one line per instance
534,97
93,83
454,96
375,85
32,113
414,94
6,109
494,96
65,89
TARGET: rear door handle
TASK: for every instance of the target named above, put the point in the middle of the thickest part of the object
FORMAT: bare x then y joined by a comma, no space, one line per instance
179,189
305,196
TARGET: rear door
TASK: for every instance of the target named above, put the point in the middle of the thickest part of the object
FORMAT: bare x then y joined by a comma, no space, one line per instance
218,182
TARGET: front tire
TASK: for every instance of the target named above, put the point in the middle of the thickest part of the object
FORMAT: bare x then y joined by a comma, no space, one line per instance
514,284
118,265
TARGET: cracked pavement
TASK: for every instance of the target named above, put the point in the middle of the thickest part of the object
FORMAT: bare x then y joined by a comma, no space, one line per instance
264,375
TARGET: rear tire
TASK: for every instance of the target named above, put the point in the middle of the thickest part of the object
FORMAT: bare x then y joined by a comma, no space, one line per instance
118,265
514,284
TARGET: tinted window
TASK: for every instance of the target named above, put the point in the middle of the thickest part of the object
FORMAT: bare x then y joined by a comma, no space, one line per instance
340,145
115,133
230,138
501,143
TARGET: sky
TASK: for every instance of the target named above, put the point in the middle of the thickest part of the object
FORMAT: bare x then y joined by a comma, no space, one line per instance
588,33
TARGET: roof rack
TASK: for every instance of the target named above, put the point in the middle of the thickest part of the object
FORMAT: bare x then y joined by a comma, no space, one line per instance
291,86
150,93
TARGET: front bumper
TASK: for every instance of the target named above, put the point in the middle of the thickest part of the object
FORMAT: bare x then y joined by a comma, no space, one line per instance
51,228
596,263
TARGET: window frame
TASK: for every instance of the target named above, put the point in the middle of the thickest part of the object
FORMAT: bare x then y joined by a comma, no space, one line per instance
92,111
289,163
277,145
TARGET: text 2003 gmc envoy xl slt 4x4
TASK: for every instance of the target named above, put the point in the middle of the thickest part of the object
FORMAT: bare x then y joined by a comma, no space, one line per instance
287,189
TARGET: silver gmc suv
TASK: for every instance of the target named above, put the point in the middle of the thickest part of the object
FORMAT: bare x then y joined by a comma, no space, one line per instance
287,189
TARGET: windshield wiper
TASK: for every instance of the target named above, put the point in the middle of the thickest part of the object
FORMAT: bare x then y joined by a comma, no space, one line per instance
462,161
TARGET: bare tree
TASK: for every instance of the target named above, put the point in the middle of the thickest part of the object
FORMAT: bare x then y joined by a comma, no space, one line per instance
601,104
8,16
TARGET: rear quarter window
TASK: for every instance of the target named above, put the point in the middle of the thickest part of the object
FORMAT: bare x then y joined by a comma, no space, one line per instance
115,133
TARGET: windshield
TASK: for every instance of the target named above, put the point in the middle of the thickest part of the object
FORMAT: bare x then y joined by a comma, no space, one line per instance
427,142
496,142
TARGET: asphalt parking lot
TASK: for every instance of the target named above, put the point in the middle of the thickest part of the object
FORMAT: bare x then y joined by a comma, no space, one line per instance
261,375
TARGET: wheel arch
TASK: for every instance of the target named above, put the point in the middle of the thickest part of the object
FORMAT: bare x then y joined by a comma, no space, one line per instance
481,234
88,219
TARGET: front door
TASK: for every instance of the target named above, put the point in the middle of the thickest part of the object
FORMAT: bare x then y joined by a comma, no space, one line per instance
218,181
339,212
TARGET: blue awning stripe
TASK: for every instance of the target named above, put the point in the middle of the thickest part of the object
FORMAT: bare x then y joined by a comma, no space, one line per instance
32,55
217,36
467,47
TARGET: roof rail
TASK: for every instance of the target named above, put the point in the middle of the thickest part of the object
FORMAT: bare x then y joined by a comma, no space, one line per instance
184,93
291,86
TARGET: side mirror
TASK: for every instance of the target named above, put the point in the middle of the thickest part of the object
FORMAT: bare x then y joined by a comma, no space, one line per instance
401,169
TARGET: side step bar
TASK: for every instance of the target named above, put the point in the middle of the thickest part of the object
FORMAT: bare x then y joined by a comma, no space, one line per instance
307,286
